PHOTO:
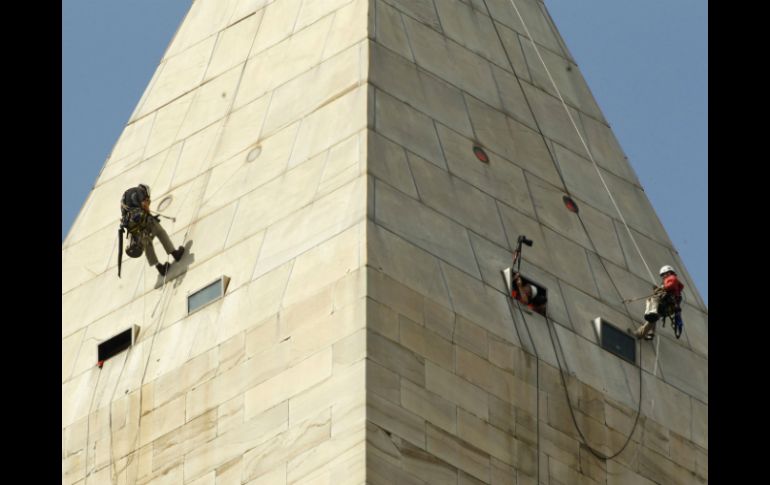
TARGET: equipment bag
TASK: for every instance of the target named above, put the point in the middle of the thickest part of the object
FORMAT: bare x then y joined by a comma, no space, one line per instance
133,219
135,248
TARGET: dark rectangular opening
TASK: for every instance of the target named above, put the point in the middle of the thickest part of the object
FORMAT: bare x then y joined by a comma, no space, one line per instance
540,300
618,342
115,345
538,304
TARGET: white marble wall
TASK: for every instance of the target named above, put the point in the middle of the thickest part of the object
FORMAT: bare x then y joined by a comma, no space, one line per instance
255,123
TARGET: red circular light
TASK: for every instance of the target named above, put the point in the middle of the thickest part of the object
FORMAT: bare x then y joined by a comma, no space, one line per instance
480,154
570,204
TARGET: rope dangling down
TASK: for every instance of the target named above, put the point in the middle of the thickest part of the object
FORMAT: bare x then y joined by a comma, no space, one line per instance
625,224
598,454
164,293
537,372
593,451
585,145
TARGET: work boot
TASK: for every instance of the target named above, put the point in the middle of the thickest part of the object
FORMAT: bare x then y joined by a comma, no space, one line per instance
651,317
177,253
162,268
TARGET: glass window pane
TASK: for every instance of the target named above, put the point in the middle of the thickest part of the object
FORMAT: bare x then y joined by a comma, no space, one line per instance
619,343
204,296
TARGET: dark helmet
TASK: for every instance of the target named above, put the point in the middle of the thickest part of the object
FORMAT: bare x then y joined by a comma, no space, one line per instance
146,189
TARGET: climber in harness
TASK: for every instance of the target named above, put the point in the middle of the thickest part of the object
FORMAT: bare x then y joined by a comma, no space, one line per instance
521,290
665,302
140,227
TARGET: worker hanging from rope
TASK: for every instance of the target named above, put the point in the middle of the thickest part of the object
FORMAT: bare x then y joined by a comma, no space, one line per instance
664,302
522,290
142,227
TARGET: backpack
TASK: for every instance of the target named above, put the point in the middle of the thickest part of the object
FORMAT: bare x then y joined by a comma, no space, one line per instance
133,219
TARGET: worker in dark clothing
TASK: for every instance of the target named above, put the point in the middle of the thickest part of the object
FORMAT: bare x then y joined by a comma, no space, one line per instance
665,301
528,294
143,227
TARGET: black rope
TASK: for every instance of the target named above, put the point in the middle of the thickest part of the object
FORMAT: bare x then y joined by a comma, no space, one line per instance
566,391
604,266
595,452
537,380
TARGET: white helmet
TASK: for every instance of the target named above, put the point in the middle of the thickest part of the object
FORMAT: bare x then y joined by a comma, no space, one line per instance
534,290
665,269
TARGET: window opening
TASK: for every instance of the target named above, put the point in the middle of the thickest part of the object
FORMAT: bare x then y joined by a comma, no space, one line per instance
529,292
480,154
165,202
254,153
570,204
614,340
208,294
116,344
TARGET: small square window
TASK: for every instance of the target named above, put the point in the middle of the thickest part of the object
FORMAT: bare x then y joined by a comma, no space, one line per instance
614,340
208,294
540,293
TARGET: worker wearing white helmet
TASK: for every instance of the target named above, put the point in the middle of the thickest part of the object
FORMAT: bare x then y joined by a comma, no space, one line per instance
666,269
664,302
528,294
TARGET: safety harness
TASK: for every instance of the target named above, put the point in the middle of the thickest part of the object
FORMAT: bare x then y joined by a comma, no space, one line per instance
133,224
671,309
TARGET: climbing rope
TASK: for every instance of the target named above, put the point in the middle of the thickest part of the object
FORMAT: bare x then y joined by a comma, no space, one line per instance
113,465
593,451
166,295
88,422
582,141
112,397
612,199
537,376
